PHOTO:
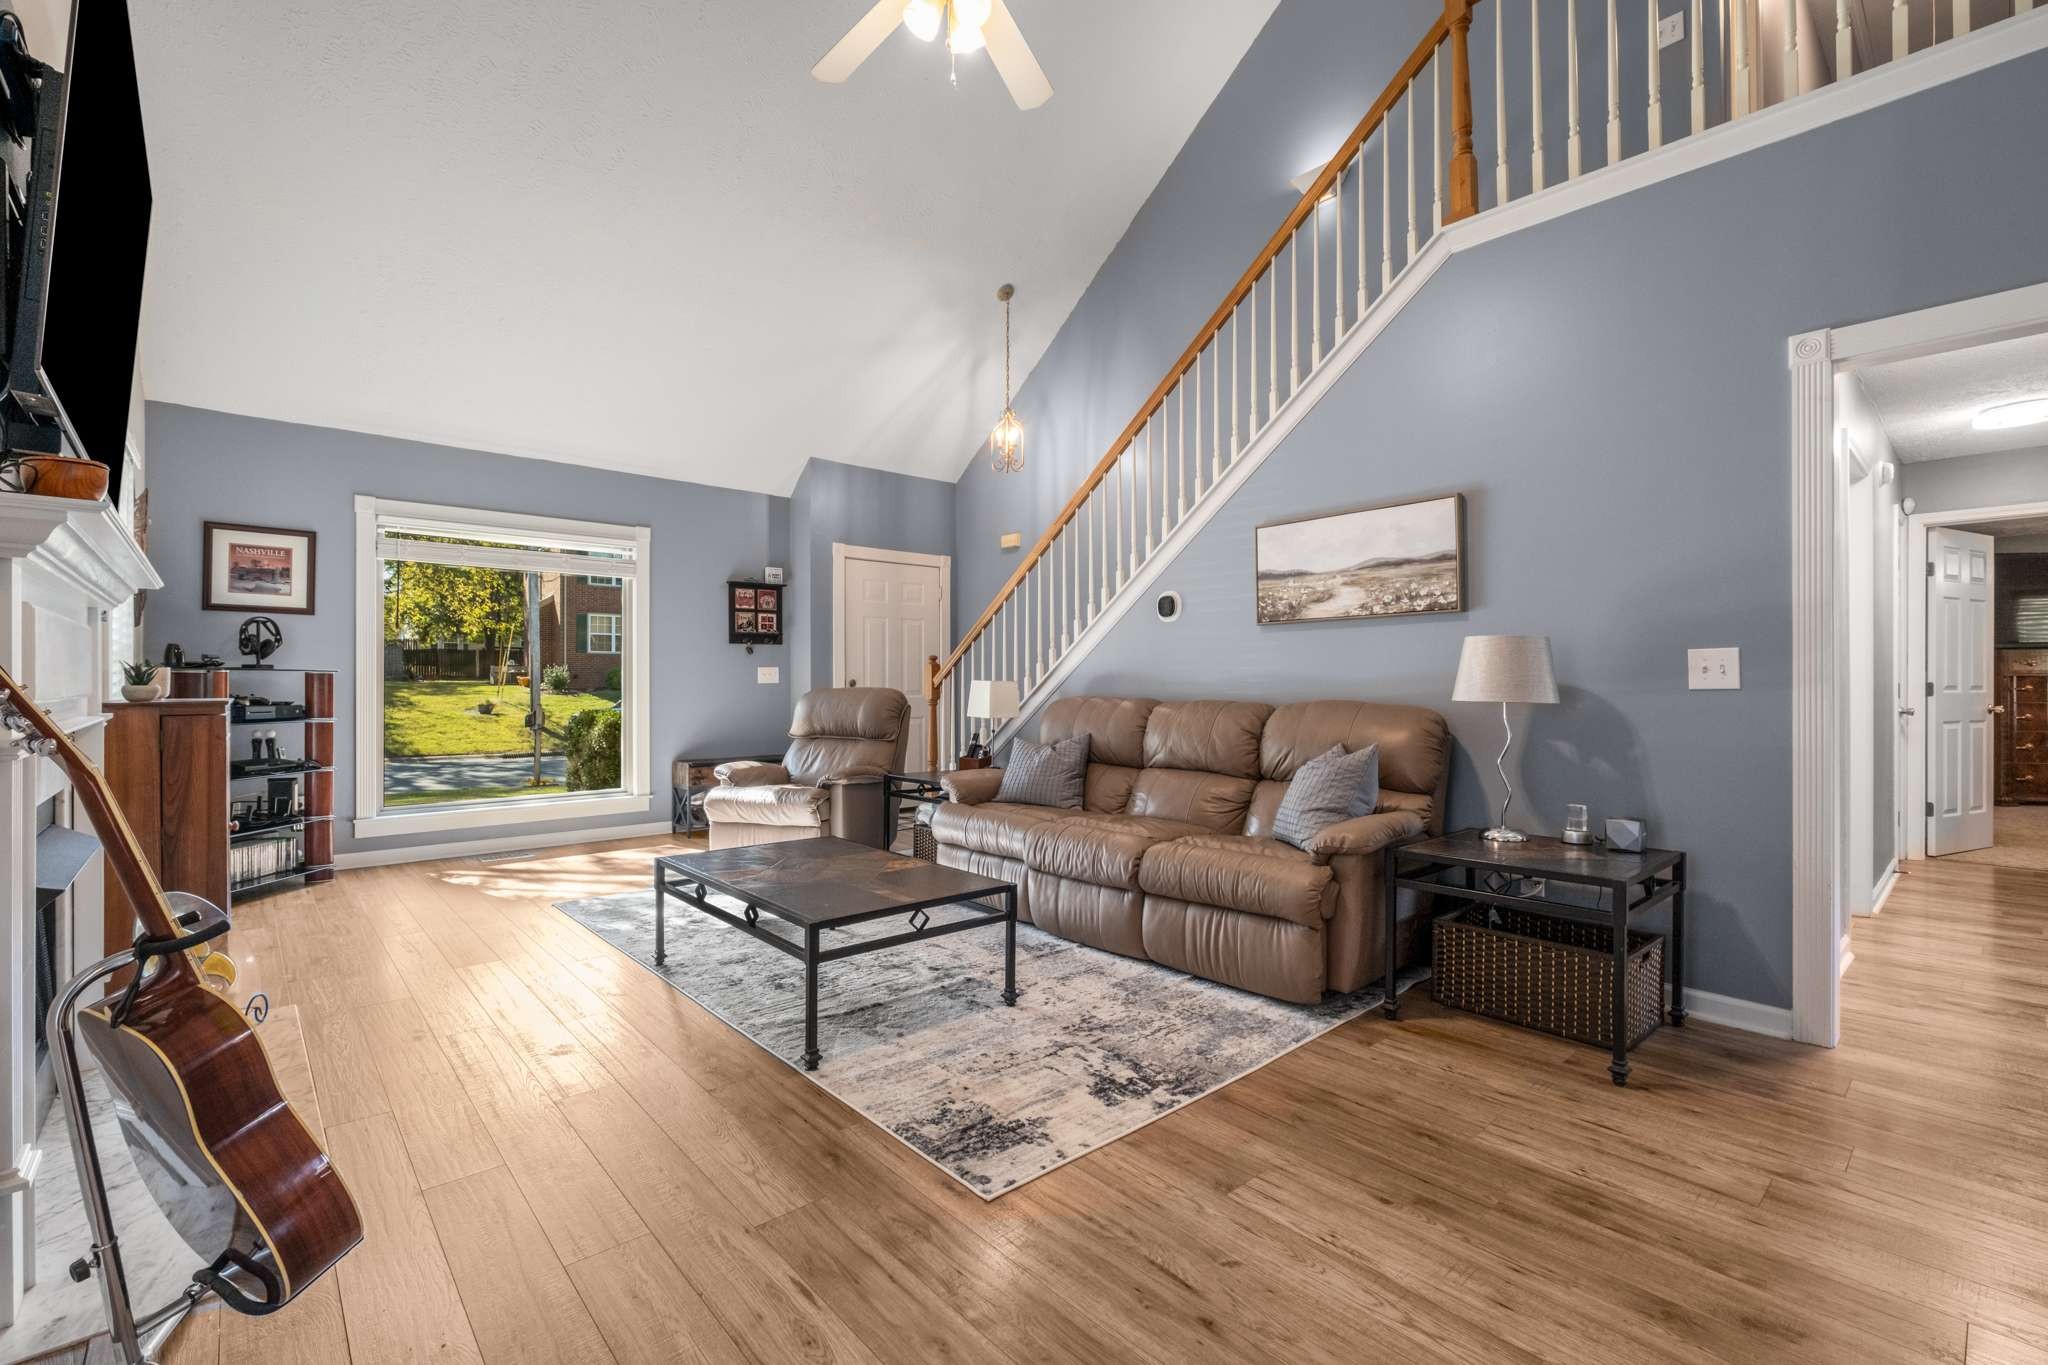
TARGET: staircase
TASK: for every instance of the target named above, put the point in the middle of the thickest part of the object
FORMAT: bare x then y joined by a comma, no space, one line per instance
1356,245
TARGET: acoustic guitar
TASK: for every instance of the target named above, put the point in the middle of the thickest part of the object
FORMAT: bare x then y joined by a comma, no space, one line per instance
222,1152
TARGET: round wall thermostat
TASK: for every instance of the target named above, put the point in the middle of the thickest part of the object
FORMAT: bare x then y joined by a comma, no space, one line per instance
1167,604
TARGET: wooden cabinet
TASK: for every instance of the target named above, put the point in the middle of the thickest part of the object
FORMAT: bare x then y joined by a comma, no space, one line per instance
2023,728
168,764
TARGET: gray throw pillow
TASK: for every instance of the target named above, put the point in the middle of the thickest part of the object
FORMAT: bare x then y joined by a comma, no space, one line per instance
1046,774
1327,790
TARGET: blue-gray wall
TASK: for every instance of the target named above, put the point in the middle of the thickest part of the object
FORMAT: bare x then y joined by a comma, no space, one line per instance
213,466
1977,480
1610,392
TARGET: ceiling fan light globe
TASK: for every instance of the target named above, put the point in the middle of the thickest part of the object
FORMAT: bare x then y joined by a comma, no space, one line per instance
923,17
972,13
963,39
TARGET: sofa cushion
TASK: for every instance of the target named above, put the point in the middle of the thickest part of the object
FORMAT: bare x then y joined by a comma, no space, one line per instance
1115,726
1414,741
1046,774
780,805
1254,876
847,732
1101,850
996,827
1207,736
1214,801
1327,790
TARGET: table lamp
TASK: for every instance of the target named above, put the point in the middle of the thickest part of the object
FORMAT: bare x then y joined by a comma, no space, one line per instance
995,701
1505,668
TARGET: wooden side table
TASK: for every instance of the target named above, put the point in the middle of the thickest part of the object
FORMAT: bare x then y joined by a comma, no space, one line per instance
690,776
1463,869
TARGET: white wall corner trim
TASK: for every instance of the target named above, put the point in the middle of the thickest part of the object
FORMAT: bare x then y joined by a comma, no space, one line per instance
1816,717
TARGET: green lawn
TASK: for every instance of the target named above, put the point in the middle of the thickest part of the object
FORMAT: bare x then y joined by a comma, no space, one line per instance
440,719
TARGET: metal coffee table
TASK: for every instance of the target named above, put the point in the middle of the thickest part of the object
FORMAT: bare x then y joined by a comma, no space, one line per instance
824,884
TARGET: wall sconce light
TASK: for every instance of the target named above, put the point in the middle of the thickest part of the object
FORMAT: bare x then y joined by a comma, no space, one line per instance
1011,540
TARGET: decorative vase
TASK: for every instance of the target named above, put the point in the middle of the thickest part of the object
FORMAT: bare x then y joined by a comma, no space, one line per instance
62,476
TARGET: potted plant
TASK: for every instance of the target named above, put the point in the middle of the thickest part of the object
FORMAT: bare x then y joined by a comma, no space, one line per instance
140,682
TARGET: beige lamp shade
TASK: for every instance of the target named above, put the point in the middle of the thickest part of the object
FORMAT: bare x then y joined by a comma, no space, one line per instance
1505,668
992,700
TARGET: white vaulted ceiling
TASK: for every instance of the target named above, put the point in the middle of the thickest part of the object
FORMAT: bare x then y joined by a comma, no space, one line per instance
635,233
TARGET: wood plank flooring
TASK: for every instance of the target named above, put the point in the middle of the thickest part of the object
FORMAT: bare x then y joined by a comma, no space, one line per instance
561,1159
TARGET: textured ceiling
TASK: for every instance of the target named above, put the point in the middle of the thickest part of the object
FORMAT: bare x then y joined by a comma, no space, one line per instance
1926,403
635,233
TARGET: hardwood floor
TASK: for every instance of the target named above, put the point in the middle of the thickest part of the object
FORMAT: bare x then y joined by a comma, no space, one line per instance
561,1159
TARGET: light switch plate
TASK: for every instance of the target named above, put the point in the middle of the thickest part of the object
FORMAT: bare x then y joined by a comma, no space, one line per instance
1671,29
1713,670
768,673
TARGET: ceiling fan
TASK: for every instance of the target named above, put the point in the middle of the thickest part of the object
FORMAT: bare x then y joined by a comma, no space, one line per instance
970,25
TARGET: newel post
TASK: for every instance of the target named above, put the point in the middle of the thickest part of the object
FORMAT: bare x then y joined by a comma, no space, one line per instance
931,713
1464,186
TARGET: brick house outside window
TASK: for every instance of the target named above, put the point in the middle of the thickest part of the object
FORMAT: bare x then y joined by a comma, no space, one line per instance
582,624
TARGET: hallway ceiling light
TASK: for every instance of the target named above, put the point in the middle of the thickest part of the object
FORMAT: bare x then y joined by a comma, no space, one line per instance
970,26
2003,416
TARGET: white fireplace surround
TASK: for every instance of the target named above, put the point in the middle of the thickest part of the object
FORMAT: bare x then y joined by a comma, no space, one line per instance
64,566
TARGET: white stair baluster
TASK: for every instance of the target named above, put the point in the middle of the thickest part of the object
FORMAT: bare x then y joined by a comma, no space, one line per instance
1574,161
1742,100
1902,41
1236,363
1364,261
1959,23
1216,407
1386,204
1845,43
1076,593
1500,108
1273,341
1699,69
1094,504
1413,242
1315,286
1793,81
1294,312
1337,258
1116,526
1536,92
1656,83
1614,84
1198,427
1436,141
1180,459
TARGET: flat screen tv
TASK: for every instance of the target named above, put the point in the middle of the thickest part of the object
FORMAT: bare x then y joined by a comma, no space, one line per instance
88,240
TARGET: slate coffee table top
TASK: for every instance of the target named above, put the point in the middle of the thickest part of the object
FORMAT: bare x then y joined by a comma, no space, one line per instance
826,881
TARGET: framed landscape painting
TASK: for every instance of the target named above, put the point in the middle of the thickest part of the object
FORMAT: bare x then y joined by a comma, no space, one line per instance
1399,559
258,568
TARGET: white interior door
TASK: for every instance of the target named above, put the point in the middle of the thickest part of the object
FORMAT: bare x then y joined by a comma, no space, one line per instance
1959,668
891,617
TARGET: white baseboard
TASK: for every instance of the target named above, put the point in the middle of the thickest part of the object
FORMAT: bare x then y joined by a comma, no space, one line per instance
465,848
1845,956
1772,1020
1884,887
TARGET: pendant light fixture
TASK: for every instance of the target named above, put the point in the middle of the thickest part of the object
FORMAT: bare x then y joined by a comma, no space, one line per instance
1006,438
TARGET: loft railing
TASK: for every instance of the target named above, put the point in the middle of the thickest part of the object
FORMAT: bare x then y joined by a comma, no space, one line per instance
1359,225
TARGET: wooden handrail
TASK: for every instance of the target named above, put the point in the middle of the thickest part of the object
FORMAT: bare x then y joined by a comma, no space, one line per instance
1453,24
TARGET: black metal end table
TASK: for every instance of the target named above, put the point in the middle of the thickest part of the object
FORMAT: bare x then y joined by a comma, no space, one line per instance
906,787
824,884
1629,884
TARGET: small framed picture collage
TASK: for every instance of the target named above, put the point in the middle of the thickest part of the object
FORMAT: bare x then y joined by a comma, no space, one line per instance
753,613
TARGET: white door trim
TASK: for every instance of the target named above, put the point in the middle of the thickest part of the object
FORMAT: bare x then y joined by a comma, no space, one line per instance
1819,717
842,552
1915,584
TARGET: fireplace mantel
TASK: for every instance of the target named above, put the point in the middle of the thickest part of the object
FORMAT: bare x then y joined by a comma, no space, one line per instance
64,565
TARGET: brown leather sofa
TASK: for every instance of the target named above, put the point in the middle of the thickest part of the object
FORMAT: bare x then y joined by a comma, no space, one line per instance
842,742
1171,856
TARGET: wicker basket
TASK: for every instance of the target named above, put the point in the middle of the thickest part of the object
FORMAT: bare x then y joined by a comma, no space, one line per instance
923,843
1546,973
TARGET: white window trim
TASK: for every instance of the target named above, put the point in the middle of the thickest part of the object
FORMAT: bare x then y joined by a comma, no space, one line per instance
371,821
590,630
602,580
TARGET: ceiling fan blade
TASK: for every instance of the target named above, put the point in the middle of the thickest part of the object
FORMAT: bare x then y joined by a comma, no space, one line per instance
859,44
1014,63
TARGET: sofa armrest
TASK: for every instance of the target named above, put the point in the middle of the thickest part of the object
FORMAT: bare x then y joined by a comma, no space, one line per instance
748,773
1365,834
972,786
854,777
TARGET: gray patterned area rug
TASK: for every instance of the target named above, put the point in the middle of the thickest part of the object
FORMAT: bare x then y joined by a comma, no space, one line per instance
916,1039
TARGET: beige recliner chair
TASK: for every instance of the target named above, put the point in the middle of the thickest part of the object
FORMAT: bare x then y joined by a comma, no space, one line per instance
842,741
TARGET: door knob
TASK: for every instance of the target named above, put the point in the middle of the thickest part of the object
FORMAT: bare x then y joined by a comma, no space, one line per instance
1996,709
853,682
1908,711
